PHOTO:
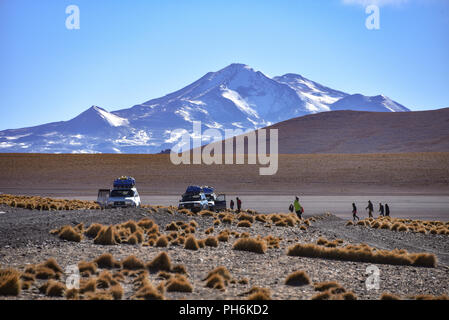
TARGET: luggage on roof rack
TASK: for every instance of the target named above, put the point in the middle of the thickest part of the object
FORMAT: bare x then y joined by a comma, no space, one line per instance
124,182
194,189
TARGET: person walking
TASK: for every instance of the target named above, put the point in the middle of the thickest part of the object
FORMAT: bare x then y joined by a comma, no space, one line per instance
387,210
298,208
381,209
354,212
231,204
291,208
370,208
239,204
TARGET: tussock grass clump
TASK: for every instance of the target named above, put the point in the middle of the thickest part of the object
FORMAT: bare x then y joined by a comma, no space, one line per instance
72,294
53,265
297,278
245,217
217,222
148,292
107,261
55,289
179,283
211,242
98,296
191,243
162,241
206,213
172,227
303,228
349,223
324,286
244,224
107,236
326,295
10,284
389,296
89,285
45,273
257,293
222,271
251,245
216,281
28,277
161,262
145,223
116,291
228,219
363,253
133,263
70,234
223,236
209,230
90,267
179,268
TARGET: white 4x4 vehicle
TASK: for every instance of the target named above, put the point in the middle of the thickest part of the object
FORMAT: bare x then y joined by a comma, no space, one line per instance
120,198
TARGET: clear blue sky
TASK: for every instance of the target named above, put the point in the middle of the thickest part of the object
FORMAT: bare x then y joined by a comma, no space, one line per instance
127,52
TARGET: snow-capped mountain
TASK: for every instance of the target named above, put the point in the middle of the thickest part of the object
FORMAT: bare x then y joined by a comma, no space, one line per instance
236,97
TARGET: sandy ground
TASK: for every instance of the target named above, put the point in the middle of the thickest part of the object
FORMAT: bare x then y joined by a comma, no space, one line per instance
24,239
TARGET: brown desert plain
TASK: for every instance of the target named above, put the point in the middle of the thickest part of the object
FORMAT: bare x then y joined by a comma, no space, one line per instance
160,252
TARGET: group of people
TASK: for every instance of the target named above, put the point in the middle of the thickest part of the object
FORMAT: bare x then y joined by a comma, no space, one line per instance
384,210
239,204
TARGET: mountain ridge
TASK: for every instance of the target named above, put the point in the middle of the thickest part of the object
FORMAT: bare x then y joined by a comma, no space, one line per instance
234,97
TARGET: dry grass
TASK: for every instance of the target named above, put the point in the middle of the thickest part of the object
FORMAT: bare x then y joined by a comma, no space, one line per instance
389,296
297,278
257,293
223,236
191,243
216,281
41,203
116,291
53,265
161,262
211,242
89,285
162,241
363,253
251,245
132,263
107,236
107,261
93,230
90,267
10,284
45,273
244,224
179,268
70,234
72,294
179,283
148,292
209,230
55,289
324,286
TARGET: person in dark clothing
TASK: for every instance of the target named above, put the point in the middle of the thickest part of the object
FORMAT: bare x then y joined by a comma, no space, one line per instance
370,208
381,209
298,208
231,204
354,212
291,208
387,210
239,204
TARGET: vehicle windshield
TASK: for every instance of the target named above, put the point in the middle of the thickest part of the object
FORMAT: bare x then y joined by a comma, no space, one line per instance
122,193
191,197
209,197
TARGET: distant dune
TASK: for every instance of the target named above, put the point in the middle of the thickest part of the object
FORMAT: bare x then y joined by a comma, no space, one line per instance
365,132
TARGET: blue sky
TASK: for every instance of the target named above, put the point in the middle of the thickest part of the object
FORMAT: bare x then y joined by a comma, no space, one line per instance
127,52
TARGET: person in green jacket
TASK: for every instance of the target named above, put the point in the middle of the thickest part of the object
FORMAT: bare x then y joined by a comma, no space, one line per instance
298,208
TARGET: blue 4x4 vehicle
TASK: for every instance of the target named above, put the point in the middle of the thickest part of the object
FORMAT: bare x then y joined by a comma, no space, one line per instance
201,198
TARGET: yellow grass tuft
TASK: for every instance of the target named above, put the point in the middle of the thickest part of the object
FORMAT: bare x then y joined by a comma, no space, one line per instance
191,243
106,236
55,289
133,263
160,263
70,234
297,278
251,245
90,267
10,284
93,230
179,283
162,241
107,261
211,242
244,224
116,291
389,296
259,294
